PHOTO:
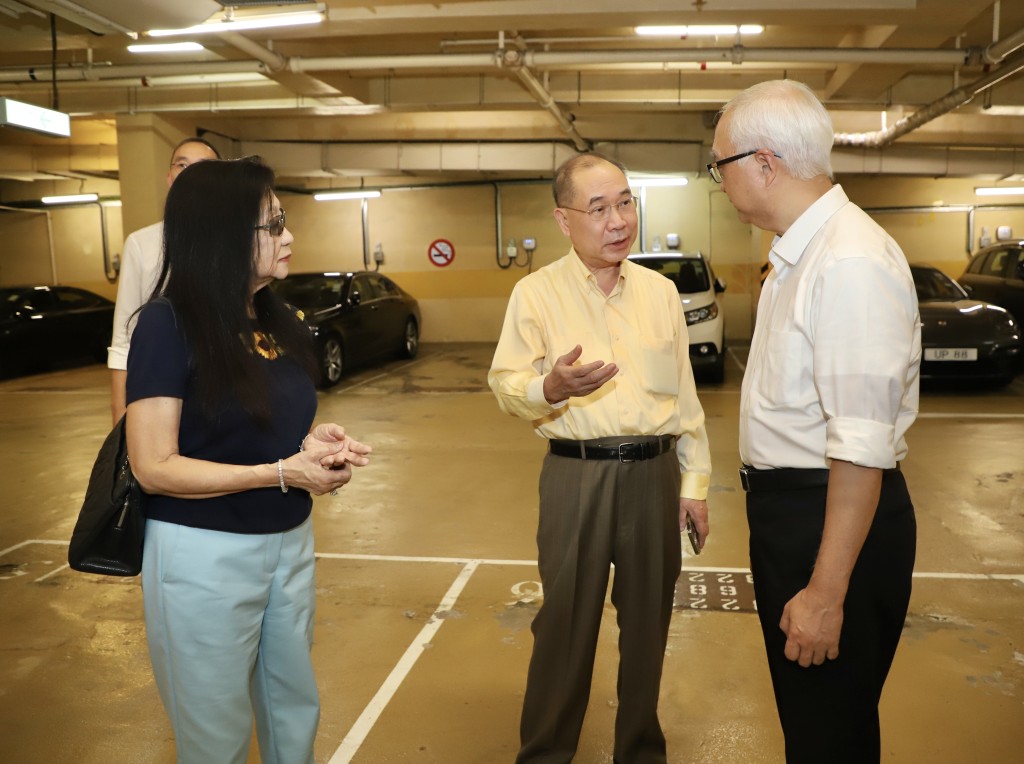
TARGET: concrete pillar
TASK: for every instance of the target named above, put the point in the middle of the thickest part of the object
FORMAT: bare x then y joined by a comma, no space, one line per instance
144,146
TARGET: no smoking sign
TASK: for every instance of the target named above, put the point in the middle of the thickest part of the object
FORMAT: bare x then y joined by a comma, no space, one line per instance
441,252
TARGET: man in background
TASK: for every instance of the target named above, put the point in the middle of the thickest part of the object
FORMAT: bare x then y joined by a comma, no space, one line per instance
594,353
140,267
830,389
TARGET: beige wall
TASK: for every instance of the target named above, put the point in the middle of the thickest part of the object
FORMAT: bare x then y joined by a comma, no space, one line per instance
466,300
67,249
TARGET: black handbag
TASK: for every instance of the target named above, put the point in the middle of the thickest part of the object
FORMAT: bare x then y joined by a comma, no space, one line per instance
110,530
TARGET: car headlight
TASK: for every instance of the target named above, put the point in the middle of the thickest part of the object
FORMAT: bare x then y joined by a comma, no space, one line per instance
1008,327
697,315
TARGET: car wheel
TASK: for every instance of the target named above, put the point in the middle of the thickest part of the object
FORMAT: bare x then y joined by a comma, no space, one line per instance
332,361
411,339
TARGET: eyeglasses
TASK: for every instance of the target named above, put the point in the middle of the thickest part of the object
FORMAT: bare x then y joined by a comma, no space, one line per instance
275,227
714,168
601,212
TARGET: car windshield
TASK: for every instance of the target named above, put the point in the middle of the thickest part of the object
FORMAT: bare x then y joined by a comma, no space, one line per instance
933,285
313,291
688,274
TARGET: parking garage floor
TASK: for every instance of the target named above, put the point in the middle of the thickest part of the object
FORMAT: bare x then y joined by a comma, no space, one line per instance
427,585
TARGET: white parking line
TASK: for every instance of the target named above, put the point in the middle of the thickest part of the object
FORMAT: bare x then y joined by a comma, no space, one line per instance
736,358
357,735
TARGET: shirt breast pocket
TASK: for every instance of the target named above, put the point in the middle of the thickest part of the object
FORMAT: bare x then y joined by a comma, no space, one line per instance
783,368
658,360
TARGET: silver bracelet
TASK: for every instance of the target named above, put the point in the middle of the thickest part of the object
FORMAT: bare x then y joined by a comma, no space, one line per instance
280,475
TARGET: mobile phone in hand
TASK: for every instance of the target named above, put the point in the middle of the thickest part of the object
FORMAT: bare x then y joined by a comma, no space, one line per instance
691,532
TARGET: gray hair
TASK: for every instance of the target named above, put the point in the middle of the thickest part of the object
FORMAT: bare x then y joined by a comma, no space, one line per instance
784,116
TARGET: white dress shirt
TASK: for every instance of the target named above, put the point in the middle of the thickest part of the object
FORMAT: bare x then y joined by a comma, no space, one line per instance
140,267
836,354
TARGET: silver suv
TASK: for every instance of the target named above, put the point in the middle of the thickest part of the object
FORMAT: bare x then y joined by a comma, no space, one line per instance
698,292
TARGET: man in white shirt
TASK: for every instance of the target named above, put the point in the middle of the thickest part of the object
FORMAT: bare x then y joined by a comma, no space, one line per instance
830,389
140,267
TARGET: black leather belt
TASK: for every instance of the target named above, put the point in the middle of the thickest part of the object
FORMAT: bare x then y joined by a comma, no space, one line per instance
627,451
787,479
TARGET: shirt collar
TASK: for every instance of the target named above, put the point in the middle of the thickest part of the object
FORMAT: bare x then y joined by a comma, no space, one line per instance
583,272
791,245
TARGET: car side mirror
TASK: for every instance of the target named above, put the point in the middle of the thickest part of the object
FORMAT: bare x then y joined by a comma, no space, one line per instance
719,285
355,299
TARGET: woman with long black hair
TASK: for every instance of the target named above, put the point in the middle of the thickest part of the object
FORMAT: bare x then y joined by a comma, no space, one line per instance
221,402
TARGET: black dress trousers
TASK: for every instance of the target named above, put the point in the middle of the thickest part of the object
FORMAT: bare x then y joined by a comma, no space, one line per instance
829,713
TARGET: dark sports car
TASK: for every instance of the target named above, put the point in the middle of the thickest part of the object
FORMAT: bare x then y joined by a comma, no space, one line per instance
355,318
962,337
43,327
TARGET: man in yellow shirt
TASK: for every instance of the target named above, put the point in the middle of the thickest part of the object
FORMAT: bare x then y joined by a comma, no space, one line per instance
594,352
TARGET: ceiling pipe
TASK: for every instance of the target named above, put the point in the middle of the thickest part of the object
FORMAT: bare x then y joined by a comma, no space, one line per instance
134,71
535,60
997,51
512,59
952,100
274,61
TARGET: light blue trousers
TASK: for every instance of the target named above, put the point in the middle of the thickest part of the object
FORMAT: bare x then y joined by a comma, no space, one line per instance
229,622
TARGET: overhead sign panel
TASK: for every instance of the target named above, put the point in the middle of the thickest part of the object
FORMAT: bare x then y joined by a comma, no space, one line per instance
28,117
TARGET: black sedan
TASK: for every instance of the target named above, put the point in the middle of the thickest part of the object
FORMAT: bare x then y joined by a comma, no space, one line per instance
962,337
355,317
996,274
43,327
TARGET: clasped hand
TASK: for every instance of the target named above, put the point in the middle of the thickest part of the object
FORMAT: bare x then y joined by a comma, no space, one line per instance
325,462
566,380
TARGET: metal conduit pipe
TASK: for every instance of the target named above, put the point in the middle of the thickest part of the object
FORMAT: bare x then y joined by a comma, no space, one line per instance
739,54
42,73
275,61
997,51
545,99
536,60
934,110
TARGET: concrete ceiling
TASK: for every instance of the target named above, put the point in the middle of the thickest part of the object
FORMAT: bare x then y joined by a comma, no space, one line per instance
395,90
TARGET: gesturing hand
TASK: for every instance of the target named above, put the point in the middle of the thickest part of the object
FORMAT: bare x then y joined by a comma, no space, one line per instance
566,380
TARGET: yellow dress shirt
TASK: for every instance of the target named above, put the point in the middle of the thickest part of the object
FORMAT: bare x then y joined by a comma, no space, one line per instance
640,327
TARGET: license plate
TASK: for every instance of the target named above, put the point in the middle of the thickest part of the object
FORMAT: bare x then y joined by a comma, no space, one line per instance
951,354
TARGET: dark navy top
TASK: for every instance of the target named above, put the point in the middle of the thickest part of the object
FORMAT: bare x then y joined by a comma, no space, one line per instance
159,366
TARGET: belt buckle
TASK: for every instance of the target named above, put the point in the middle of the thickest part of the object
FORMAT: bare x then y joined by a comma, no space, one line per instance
744,478
622,459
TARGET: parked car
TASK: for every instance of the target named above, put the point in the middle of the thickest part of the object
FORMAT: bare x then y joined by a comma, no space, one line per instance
355,318
996,274
963,337
46,326
698,292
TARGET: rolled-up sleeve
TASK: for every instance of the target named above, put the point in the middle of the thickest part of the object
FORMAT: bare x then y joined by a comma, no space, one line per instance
864,329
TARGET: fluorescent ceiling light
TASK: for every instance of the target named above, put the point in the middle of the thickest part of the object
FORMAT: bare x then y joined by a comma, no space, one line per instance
650,182
1000,191
166,47
29,117
330,196
238,23
70,199
698,30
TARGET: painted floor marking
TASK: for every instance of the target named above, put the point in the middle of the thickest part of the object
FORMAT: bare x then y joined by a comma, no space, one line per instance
362,727
357,734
